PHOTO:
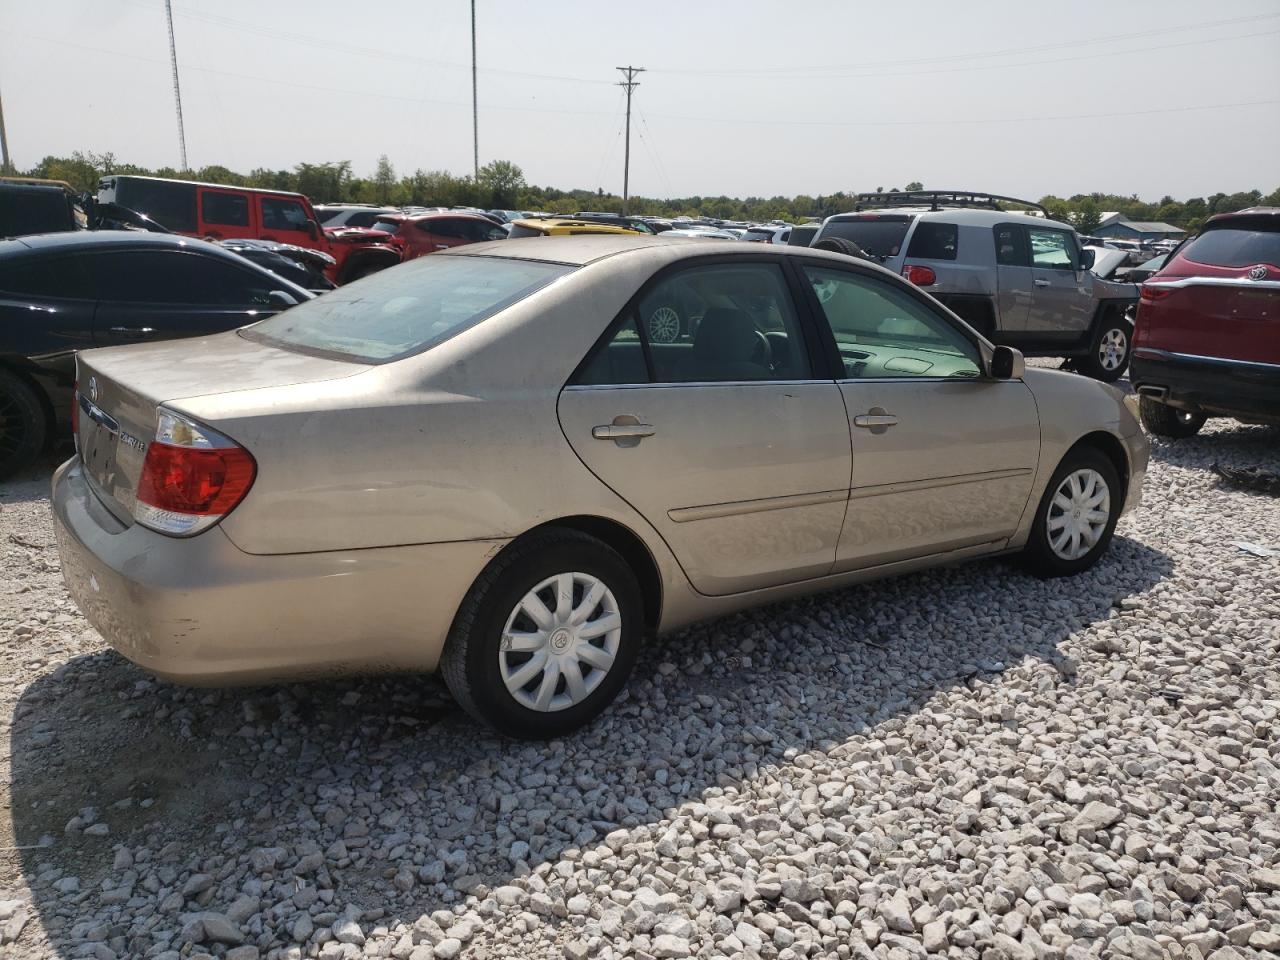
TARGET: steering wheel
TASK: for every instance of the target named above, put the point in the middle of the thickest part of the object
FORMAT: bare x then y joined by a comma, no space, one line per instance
762,351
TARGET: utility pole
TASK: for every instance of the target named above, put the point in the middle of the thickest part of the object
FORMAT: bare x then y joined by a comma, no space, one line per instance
475,103
630,83
177,92
4,142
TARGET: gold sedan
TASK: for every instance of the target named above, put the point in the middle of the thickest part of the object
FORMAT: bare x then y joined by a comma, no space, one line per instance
481,462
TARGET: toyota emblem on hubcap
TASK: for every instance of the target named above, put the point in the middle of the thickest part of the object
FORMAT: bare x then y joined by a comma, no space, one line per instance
1259,272
560,640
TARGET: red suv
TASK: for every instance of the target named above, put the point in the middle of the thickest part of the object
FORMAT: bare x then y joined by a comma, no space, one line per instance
219,212
1207,339
425,233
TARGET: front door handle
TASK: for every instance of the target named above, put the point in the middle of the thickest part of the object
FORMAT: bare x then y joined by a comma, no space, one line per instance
623,431
877,420
1041,283
136,333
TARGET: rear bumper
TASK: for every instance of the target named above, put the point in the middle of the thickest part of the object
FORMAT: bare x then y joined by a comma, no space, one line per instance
1209,385
201,611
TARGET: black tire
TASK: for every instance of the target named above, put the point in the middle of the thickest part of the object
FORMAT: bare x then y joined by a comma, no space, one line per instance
470,661
362,270
1039,555
1170,422
24,428
841,245
1102,362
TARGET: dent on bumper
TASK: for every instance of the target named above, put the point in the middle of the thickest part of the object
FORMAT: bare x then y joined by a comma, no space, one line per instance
200,610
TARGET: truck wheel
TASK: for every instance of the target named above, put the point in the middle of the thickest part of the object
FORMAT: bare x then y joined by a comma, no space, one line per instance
1108,355
1166,421
23,425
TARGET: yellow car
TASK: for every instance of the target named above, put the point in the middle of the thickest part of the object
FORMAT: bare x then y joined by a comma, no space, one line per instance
562,227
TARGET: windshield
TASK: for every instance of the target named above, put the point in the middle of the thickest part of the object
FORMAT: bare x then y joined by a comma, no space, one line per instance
519,230
1226,247
881,238
386,226
406,310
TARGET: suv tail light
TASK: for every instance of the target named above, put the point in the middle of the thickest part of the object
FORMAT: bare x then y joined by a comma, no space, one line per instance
920,276
192,477
1152,291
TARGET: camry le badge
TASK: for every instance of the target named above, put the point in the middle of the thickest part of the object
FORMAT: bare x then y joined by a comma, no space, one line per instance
1259,272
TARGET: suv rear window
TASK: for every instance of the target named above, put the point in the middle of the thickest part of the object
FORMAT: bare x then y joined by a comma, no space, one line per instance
407,310
933,241
1231,247
881,237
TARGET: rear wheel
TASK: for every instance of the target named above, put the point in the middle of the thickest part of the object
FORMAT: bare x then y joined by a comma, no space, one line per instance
1077,515
1166,421
546,637
23,426
1108,355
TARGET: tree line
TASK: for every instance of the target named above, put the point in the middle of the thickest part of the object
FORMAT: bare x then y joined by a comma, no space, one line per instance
501,185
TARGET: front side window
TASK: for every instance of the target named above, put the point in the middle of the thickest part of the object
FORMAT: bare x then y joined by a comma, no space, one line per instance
884,332
406,310
1051,249
720,323
228,209
163,276
280,214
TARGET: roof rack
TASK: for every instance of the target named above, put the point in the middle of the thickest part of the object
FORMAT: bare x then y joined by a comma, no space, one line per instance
937,199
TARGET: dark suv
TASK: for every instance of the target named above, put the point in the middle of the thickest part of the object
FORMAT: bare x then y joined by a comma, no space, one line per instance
1207,340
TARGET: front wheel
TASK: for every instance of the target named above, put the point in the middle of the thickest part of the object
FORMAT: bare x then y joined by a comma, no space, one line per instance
1108,355
1077,515
1166,421
546,637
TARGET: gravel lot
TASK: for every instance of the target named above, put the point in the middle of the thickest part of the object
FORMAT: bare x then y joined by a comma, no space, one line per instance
964,763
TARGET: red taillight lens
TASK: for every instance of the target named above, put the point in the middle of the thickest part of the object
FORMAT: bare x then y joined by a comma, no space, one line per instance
920,276
1151,291
191,477
194,481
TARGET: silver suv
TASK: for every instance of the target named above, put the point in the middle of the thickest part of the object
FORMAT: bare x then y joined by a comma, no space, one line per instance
1017,277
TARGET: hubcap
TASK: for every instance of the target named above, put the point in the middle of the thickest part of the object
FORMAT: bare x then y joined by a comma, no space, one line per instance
664,325
1078,514
560,642
1112,349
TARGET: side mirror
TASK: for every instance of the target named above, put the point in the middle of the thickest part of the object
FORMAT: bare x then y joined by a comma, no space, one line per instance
313,229
1007,364
1087,258
278,298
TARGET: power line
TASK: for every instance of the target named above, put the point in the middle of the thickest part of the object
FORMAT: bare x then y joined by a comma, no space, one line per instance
475,98
629,84
177,91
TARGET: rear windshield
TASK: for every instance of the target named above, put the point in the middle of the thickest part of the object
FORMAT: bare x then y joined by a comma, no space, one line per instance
406,310
519,230
881,238
757,234
1228,247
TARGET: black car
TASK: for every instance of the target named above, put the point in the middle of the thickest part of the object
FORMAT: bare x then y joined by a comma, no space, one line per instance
63,292
303,265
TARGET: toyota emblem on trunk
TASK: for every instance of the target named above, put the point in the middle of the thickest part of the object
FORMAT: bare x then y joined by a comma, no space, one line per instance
1259,272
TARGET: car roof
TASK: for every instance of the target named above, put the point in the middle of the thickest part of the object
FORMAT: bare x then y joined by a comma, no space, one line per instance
74,240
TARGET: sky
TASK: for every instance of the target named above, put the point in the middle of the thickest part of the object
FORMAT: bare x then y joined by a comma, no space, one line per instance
739,97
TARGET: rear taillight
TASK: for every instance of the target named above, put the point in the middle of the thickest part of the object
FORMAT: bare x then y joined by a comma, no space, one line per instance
191,478
1152,291
920,276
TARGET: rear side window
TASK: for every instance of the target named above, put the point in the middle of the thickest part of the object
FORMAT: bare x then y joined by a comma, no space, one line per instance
1011,245
933,241
881,237
60,278
1230,247
406,310
229,209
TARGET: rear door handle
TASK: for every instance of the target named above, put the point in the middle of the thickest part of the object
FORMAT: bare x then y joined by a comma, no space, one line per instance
623,431
133,332
873,420
1041,283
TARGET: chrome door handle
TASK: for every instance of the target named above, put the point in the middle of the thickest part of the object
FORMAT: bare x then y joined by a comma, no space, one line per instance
623,431
137,332
873,420
1041,283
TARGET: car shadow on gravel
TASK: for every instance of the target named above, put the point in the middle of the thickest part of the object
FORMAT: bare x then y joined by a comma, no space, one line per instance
411,803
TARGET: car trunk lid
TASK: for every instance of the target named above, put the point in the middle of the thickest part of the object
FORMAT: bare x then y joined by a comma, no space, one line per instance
121,388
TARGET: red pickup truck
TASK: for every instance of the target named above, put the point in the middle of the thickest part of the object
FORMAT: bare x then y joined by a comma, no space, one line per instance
1207,339
218,212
